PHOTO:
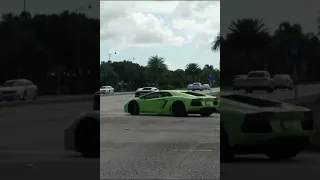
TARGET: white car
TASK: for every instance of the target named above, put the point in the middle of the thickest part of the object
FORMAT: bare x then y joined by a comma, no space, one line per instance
206,87
239,82
259,80
195,86
18,89
106,90
141,91
283,81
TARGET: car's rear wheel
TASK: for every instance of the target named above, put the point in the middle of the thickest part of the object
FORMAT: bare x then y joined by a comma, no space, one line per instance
249,90
226,154
35,95
279,154
178,109
88,138
206,114
133,108
270,90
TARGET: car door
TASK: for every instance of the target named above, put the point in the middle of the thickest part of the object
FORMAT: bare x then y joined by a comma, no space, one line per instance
152,103
22,88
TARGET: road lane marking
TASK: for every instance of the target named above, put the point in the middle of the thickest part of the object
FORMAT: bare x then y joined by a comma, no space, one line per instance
193,150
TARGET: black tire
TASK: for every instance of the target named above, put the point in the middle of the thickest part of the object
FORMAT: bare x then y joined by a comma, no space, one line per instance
35,94
226,154
134,108
280,155
24,95
206,114
178,109
249,90
270,90
88,138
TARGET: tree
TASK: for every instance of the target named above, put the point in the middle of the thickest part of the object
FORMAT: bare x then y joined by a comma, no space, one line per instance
216,43
193,70
157,68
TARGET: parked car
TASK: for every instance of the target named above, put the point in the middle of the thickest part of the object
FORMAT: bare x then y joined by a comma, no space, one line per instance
206,87
239,82
106,90
19,89
141,91
259,80
283,81
195,86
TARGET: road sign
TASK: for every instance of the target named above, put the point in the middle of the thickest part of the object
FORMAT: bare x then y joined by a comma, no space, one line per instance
295,54
210,77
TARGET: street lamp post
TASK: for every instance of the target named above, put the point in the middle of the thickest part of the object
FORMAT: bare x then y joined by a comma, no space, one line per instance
24,5
111,54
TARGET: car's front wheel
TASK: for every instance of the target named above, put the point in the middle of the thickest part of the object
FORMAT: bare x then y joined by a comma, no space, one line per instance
133,108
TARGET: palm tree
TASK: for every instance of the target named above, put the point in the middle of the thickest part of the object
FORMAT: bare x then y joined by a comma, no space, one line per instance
157,68
250,40
216,43
193,70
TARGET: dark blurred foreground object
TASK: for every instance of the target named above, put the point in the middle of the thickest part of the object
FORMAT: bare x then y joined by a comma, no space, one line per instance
96,100
257,126
84,135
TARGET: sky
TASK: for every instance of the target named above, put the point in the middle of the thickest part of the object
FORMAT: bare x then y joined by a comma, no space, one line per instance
179,31
272,12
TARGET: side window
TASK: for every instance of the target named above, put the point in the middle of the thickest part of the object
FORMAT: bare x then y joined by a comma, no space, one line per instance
28,84
165,94
152,96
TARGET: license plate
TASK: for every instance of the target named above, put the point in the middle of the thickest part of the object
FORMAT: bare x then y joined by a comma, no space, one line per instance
209,103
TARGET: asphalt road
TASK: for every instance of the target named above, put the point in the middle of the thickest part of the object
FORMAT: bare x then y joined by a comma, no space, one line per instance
157,147
32,143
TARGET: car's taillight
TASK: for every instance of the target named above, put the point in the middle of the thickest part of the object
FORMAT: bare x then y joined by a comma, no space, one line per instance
196,102
257,123
308,122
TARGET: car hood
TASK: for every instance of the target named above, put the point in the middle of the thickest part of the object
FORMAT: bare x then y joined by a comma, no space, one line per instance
4,88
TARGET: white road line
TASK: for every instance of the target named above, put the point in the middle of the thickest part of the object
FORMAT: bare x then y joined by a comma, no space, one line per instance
193,150
106,148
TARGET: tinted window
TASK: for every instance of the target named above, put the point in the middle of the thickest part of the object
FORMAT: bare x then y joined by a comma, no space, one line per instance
165,94
9,83
152,96
146,88
260,74
252,101
193,94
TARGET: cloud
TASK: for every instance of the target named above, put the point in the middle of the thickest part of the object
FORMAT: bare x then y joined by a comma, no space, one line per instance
141,24
200,21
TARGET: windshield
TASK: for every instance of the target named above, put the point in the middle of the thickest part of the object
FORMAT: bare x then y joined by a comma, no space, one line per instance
257,74
9,83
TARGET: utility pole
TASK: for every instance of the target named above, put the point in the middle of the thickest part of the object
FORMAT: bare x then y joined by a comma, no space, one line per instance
24,5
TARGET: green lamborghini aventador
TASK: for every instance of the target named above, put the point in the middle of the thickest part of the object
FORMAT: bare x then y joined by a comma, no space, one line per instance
257,126
83,135
177,103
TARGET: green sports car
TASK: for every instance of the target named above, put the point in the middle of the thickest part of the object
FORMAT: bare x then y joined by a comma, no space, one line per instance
83,135
252,125
177,103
